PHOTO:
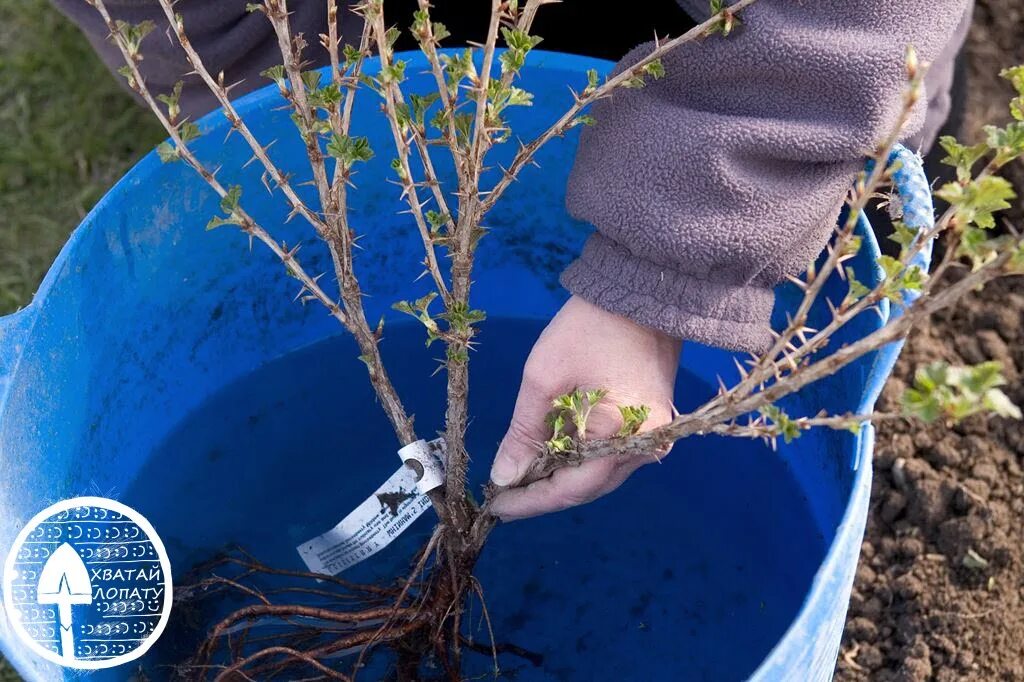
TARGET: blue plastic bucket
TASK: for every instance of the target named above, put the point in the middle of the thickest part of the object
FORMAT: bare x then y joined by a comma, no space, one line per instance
169,368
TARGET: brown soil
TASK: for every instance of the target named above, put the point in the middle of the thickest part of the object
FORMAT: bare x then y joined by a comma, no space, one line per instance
939,593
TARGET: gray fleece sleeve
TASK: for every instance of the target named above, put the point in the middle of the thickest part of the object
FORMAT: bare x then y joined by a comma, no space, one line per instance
709,186
232,40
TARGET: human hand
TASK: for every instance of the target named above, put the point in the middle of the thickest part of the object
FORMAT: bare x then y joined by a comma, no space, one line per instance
589,348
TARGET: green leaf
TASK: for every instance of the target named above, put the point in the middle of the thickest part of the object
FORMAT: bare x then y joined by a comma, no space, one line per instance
403,116
396,165
1017,108
517,97
463,125
890,266
171,100
188,131
1016,262
857,290
436,220
920,404
350,54
500,96
311,79
556,421
655,69
726,23
229,202
902,235
440,31
976,245
960,156
517,39
420,23
851,247
633,417
461,318
899,279
932,376
326,97
519,44
420,105
976,201
999,403
167,152
1007,142
786,427
955,393
132,34
393,73
561,444
1015,74
979,378
563,402
634,82
912,279
349,150
593,79
216,222
420,309
457,68
274,73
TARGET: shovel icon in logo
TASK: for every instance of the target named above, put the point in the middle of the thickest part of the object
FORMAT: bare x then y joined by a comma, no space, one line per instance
64,581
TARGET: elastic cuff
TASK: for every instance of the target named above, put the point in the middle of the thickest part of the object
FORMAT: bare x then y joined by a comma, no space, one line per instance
732,316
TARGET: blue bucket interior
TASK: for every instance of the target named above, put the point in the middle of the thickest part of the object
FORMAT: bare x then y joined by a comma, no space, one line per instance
169,368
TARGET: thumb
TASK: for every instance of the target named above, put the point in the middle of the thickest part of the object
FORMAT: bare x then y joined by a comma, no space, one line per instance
528,429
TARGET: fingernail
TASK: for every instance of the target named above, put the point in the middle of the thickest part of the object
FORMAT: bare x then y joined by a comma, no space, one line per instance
503,471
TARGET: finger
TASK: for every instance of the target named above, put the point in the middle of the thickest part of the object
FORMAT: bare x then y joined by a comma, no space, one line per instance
567,487
528,429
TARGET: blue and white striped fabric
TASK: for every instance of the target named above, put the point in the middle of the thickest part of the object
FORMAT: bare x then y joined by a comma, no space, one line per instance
915,203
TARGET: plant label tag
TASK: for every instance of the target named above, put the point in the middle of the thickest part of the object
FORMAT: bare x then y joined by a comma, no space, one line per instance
383,516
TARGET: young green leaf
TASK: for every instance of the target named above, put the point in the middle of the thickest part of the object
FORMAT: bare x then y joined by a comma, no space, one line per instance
976,201
171,100
1015,74
961,156
311,79
188,131
519,45
784,426
633,417
229,202
167,152
955,393
276,74
349,150
655,69
857,290
132,34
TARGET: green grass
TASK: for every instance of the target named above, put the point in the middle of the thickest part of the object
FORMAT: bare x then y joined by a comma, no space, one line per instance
67,132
